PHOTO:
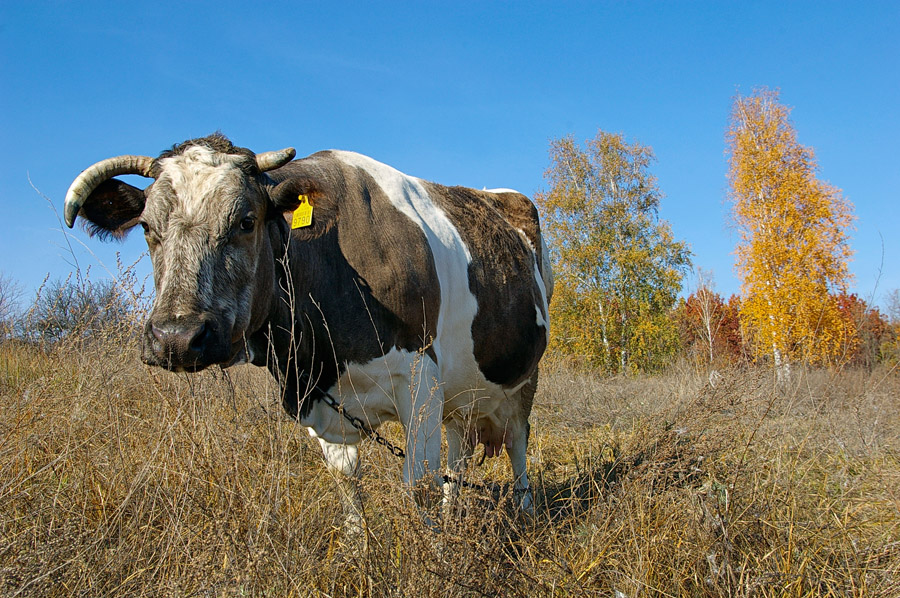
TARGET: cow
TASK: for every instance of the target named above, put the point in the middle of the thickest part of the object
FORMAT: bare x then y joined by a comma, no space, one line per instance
370,295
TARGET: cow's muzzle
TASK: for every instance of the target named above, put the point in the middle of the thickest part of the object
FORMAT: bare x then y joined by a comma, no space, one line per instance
188,343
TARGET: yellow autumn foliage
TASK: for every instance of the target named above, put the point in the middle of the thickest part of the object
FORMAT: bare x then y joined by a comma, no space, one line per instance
793,250
618,266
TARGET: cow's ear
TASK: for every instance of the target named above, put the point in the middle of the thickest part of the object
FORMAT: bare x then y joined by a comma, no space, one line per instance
112,209
288,195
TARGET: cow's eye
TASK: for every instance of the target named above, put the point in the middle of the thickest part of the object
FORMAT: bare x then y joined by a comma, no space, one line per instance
248,223
149,235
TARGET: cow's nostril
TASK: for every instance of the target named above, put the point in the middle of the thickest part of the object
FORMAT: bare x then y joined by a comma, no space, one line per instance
198,343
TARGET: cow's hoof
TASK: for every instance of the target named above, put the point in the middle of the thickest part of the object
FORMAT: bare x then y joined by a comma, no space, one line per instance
524,498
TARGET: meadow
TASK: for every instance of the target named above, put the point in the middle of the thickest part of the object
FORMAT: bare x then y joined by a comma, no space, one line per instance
121,480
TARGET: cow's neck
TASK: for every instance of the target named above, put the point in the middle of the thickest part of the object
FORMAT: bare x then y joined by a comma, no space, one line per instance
294,343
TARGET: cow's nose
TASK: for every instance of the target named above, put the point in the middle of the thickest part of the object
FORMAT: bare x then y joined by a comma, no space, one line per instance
181,342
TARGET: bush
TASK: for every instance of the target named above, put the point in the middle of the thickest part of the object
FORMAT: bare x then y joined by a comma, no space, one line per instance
10,294
77,308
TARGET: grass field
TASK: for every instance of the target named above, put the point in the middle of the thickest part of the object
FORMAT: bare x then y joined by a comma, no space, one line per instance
120,480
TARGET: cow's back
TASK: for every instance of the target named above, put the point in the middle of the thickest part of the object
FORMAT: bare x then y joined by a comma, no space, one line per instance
484,273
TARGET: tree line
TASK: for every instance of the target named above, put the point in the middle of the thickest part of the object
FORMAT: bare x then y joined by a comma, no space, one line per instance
619,268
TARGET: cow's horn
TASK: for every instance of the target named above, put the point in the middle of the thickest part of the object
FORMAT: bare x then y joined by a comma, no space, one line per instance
91,178
271,160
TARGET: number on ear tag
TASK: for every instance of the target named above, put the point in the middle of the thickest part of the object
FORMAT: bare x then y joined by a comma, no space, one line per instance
303,213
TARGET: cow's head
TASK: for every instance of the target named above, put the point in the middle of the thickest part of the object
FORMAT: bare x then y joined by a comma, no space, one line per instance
211,221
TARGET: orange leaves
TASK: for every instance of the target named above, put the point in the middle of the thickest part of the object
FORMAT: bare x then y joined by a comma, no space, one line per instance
710,327
793,249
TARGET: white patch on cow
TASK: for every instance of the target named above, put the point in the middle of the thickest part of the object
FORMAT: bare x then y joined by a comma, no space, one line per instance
541,321
542,308
400,386
501,190
341,458
454,345
525,238
370,391
545,282
197,175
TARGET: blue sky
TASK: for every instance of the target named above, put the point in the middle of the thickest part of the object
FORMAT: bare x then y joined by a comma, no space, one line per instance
464,93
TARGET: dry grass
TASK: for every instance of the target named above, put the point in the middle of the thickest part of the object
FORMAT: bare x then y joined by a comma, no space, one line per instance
119,480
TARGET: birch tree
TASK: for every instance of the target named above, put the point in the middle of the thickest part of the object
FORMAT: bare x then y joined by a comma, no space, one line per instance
793,247
618,266
709,311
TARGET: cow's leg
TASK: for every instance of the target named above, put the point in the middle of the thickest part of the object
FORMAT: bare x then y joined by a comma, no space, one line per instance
517,447
459,451
343,462
517,444
421,416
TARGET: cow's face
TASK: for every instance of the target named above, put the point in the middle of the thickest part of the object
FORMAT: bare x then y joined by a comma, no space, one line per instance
205,225
209,222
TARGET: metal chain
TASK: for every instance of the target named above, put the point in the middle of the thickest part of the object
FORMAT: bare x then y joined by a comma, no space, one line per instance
361,425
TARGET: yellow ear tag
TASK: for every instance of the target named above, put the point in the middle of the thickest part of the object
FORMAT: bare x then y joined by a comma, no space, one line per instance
303,213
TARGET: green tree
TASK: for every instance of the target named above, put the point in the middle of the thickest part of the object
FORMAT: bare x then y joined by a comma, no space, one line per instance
793,246
618,267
